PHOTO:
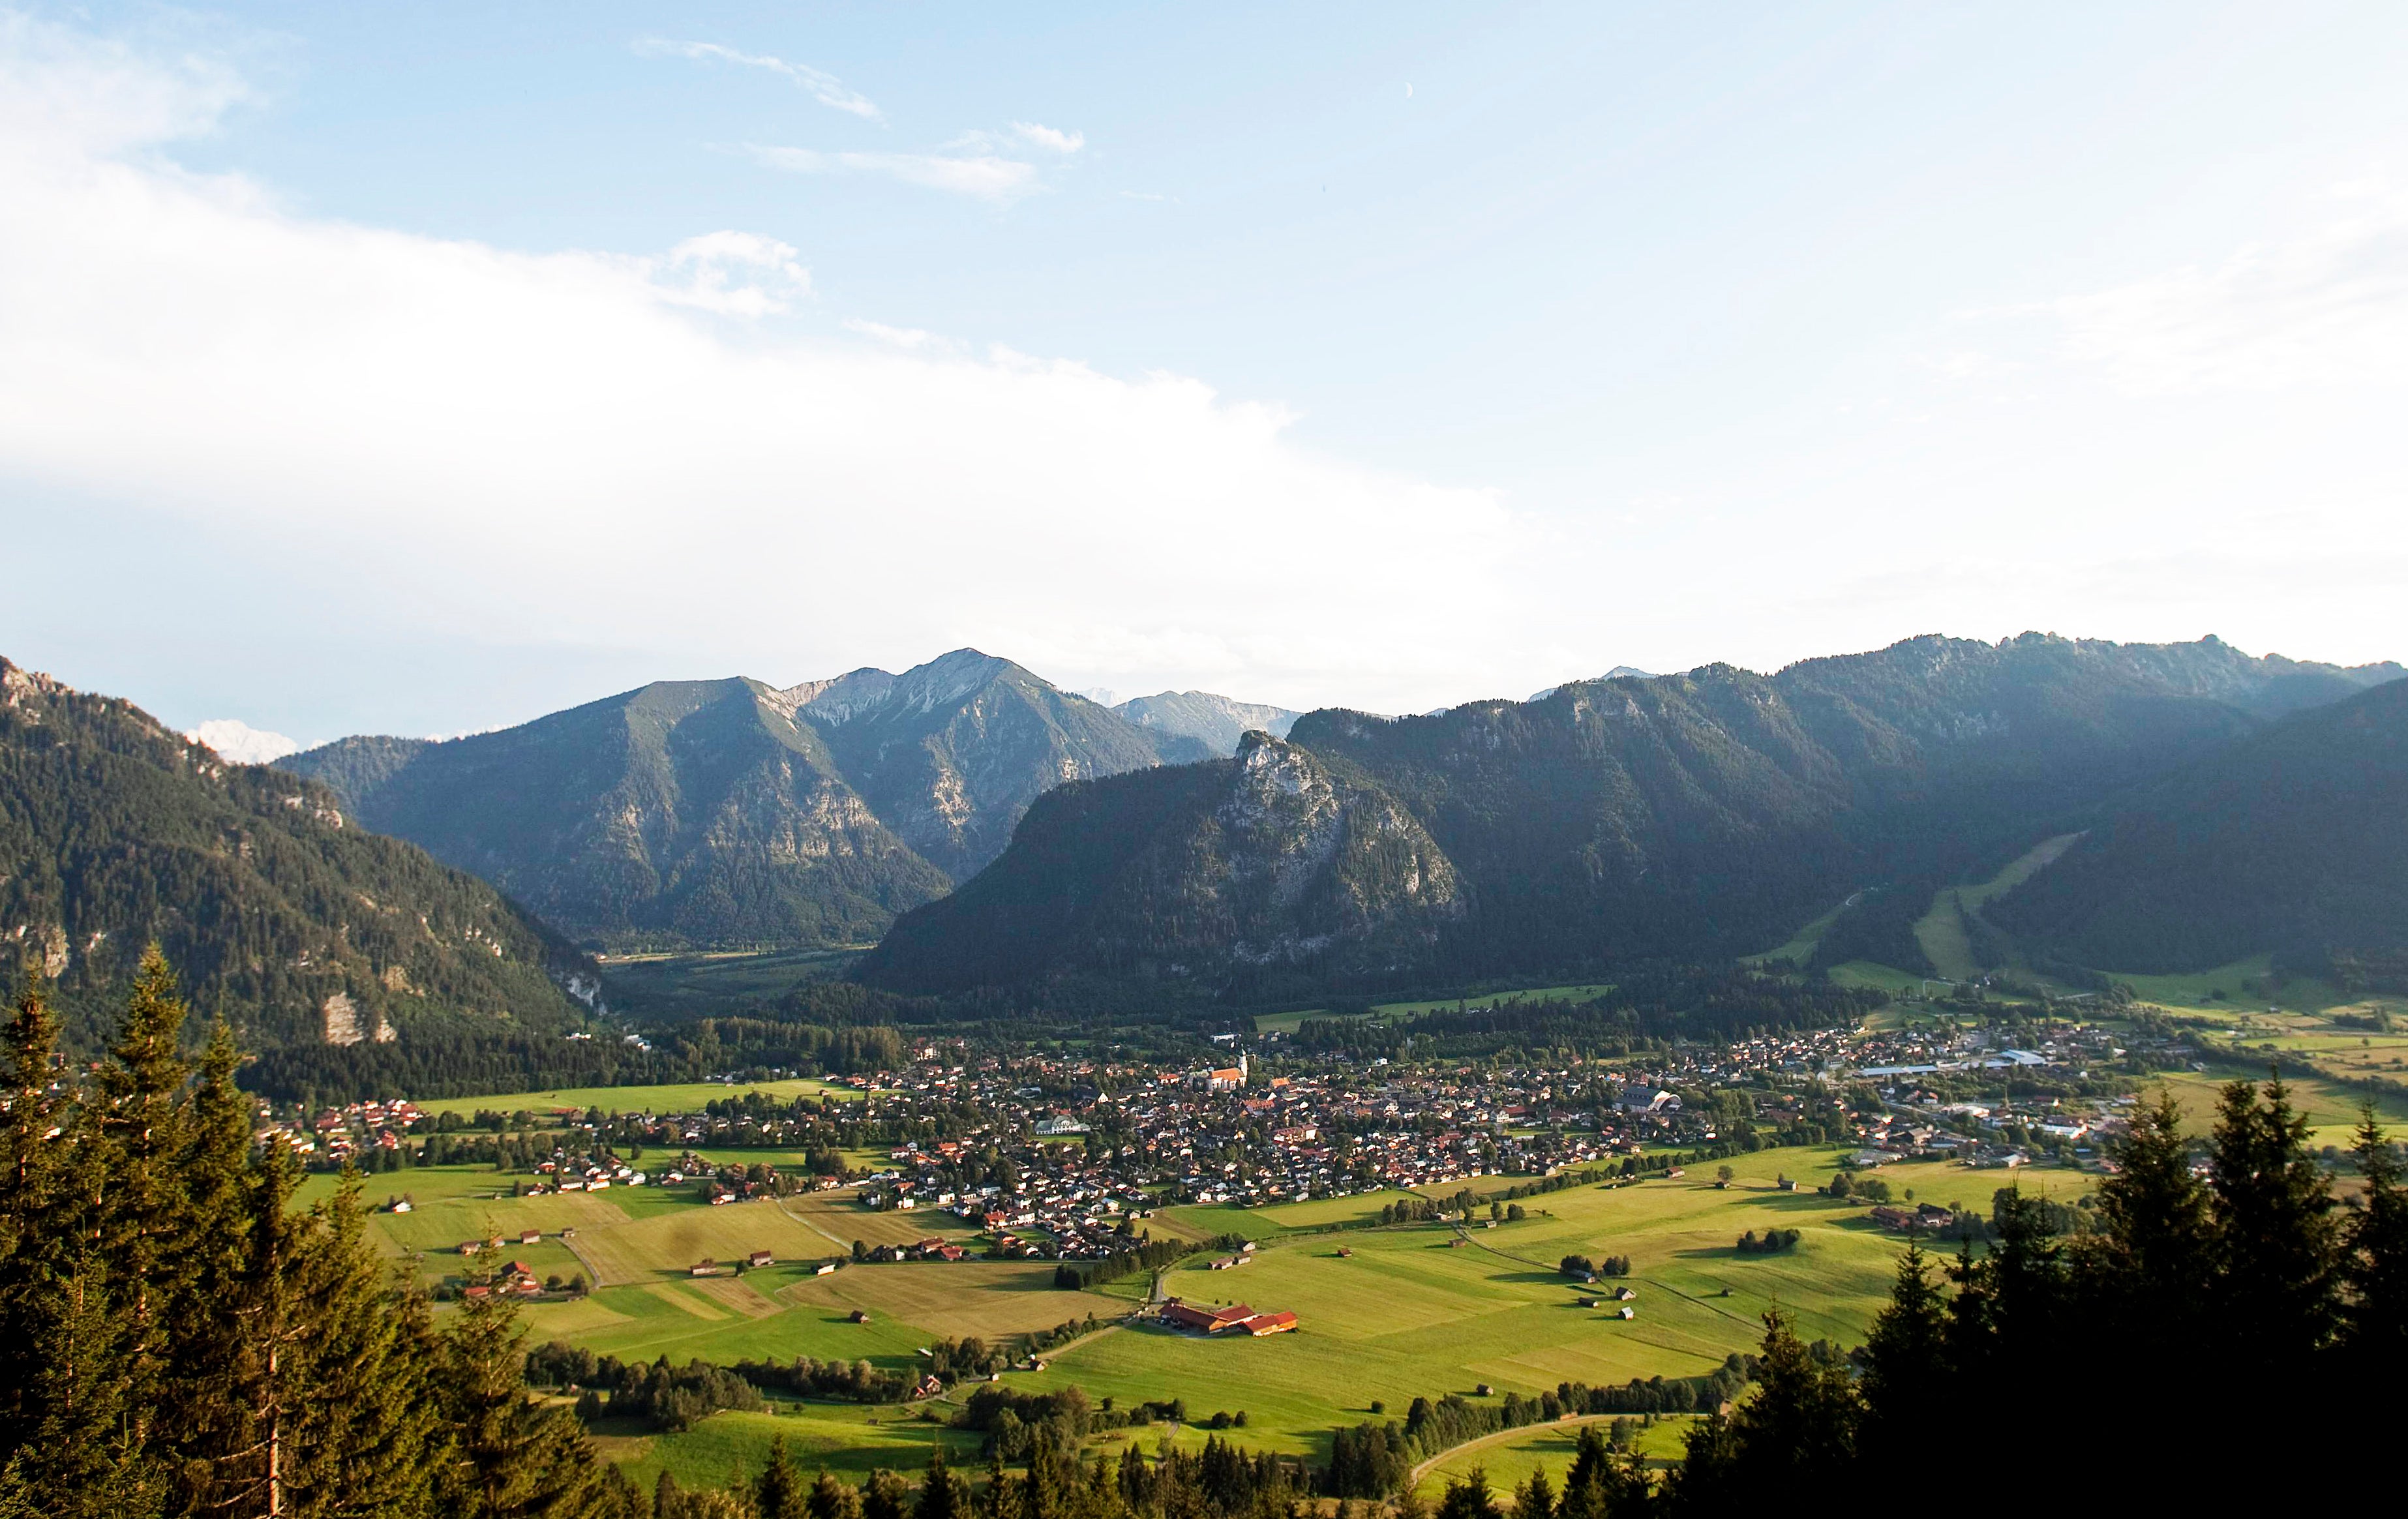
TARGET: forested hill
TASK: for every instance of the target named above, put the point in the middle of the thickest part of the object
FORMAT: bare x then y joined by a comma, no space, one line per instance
1275,867
2294,839
731,813
1702,816
281,913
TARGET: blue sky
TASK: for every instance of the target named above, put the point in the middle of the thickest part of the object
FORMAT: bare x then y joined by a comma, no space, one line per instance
449,363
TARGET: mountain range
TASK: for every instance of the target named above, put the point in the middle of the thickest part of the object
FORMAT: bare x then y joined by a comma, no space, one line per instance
277,911
732,813
2131,807
1708,814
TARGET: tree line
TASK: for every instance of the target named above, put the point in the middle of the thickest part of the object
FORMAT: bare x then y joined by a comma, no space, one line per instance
178,1339
2191,1292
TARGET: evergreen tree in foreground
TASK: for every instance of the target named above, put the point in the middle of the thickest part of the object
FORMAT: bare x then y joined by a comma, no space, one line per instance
177,1340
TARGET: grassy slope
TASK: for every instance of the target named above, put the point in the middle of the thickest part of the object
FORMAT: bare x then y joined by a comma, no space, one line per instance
1547,1448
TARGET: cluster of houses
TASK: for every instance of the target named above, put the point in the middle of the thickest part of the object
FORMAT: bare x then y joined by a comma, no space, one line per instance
1233,1319
341,1134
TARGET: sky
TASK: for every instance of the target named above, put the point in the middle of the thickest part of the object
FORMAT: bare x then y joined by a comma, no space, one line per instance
425,368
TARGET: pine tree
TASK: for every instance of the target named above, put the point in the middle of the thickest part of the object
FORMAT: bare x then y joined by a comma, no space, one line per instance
1797,1435
363,1434
1469,1498
33,1237
886,1495
2157,1251
832,1499
2278,1247
510,1458
2376,1328
779,1492
940,1494
1905,1362
142,1145
1535,1499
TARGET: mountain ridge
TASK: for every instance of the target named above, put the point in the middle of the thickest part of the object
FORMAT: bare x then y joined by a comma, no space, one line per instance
1706,814
302,928
732,813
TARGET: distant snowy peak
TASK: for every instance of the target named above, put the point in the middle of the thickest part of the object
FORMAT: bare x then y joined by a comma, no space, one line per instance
238,741
1215,721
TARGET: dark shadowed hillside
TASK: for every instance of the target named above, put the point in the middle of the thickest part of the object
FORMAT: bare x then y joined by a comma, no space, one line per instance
1255,870
2294,841
1707,814
281,914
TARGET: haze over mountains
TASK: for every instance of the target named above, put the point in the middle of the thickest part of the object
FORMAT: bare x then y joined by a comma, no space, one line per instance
731,813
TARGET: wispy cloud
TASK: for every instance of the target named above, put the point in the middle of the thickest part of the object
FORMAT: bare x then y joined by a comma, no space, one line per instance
825,88
983,176
732,273
2326,306
1046,137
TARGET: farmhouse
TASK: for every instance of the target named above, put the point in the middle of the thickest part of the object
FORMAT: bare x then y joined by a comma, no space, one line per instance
704,1267
760,1258
1213,1321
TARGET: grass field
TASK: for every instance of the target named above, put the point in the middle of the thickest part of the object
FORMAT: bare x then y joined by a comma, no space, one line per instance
1408,1313
1548,1448
849,1441
674,986
2332,1109
675,1097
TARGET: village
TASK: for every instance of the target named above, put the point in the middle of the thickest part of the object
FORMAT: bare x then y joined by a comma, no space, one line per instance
1066,1157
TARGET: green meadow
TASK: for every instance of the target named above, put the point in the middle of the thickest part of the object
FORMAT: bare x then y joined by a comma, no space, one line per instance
1410,1310
672,1097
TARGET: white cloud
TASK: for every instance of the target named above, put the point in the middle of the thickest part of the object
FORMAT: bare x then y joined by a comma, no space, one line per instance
733,273
826,89
983,176
238,741
551,452
1046,137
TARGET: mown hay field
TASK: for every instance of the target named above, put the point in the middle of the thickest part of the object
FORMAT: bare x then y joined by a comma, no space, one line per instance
669,1243
990,1299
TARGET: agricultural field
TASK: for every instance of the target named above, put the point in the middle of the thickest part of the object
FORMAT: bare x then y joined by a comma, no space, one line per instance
851,1442
1409,1313
677,1097
1510,1459
671,987
2332,1109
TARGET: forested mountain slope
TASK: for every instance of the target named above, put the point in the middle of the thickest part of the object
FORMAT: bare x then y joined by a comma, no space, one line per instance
1712,813
2294,839
732,813
1261,869
281,913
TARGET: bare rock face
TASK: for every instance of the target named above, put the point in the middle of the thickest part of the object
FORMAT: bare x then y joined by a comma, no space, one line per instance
1266,865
